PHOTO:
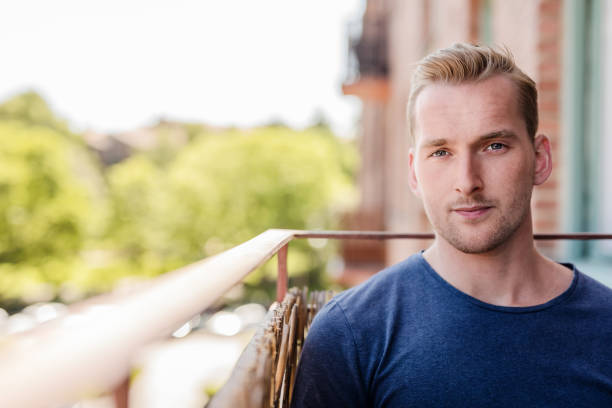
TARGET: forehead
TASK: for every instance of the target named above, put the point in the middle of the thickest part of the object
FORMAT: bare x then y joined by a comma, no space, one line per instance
467,110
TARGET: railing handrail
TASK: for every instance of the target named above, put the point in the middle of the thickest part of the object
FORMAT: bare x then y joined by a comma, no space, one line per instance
90,350
429,235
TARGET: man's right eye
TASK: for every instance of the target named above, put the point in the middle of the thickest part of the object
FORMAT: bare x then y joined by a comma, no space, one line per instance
439,153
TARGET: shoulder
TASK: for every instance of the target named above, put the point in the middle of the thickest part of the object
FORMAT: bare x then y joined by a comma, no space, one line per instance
348,336
593,292
590,301
368,315
370,304
382,288
329,349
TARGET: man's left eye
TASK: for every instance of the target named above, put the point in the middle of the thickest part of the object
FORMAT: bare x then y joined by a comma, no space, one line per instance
495,146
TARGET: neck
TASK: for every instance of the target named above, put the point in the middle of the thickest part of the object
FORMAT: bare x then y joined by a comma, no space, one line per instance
513,274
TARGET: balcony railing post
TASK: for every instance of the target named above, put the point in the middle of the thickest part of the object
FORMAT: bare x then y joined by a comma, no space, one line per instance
120,394
282,279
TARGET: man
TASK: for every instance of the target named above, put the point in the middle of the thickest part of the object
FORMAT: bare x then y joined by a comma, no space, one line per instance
480,318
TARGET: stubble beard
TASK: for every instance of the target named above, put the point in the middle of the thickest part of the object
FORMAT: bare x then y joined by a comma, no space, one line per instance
503,223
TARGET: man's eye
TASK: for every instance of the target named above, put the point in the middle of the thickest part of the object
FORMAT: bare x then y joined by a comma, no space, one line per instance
439,153
495,146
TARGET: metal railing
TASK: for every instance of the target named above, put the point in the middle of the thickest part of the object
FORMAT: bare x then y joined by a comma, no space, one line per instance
89,350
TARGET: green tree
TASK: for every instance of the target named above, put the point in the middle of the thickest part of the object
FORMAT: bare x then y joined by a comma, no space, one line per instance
65,219
29,107
223,190
51,197
47,205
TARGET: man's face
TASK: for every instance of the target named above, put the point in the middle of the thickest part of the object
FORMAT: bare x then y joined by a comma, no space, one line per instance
473,164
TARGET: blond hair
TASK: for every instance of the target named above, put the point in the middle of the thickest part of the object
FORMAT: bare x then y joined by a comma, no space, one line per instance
472,63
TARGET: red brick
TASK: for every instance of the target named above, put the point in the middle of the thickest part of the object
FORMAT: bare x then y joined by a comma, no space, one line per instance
551,69
551,105
549,57
550,7
544,204
550,131
549,25
551,183
547,85
545,226
547,96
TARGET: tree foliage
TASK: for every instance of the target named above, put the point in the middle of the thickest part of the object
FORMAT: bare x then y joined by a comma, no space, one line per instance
65,219
225,189
30,107
48,192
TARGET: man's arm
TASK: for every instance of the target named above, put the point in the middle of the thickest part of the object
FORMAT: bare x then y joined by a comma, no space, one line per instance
329,373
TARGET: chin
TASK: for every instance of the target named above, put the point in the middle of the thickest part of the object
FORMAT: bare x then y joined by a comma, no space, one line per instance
485,235
476,243
476,247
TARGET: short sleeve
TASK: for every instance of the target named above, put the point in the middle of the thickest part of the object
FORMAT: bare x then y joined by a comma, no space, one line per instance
328,373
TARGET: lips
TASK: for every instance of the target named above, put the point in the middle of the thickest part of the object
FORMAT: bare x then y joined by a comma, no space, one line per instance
472,213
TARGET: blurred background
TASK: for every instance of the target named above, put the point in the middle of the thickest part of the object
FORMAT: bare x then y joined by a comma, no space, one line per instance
140,136
137,137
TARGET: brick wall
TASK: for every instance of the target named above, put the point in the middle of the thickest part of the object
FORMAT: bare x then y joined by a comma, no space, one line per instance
417,27
546,198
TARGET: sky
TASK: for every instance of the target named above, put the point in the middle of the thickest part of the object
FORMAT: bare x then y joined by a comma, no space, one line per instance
116,65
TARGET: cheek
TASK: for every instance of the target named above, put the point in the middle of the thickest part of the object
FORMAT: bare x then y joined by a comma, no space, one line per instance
510,176
434,182
521,170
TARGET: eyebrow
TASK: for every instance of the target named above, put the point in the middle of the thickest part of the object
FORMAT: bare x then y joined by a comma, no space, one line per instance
497,134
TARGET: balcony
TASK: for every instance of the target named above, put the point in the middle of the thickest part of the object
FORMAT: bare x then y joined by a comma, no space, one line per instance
90,349
368,60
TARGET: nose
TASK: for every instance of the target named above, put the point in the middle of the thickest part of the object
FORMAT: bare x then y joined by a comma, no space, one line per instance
468,176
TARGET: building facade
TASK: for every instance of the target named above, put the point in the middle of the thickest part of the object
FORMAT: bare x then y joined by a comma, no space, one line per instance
564,45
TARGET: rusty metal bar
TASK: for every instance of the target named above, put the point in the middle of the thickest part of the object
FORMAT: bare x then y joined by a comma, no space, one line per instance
379,235
121,394
362,235
282,278
575,236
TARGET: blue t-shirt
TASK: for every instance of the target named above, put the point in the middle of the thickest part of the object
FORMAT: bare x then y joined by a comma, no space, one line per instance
407,338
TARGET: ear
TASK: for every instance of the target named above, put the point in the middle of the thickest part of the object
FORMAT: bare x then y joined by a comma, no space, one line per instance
412,179
543,159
